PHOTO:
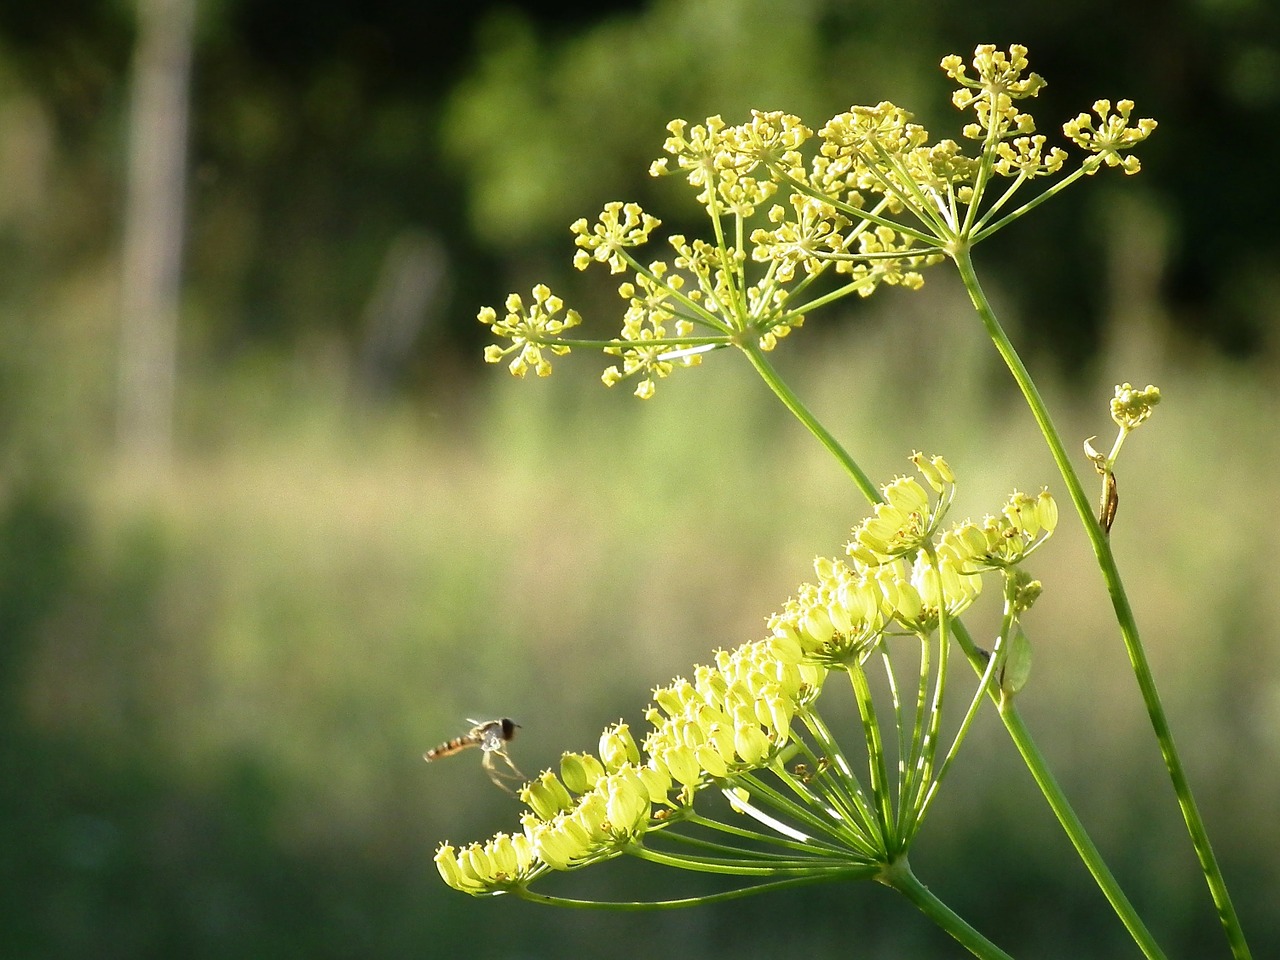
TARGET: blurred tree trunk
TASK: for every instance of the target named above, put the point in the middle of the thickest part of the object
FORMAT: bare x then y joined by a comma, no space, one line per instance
153,226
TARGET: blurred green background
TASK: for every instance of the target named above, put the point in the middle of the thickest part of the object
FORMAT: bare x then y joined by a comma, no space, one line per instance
242,592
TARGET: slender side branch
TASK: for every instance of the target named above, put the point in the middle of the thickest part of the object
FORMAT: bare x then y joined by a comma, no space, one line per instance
847,873
814,426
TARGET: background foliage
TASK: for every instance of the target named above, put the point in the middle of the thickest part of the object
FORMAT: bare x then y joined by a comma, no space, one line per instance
217,675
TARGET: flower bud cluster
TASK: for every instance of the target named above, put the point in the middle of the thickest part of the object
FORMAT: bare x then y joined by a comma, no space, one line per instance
733,716
1131,407
999,82
1004,541
904,573
620,226
481,868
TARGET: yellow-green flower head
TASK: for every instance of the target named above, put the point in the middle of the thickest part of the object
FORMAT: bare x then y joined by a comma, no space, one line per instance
881,266
1025,522
805,241
742,194
546,796
580,771
772,138
620,226
615,811
897,527
1111,136
938,583
835,621
937,168
697,154
1025,157
644,345
999,79
500,862
866,132
732,718
568,840
627,802
531,331
618,748
710,157
935,470
1131,407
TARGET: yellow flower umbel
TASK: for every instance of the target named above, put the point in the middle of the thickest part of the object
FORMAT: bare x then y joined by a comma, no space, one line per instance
531,331
868,200
747,726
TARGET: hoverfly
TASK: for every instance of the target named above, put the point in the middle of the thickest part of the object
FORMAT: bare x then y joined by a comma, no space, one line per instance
492,737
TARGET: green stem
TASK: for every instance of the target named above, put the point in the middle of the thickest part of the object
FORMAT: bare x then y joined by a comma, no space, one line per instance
877,768
984,684
845,832
839,787
1120,603
802,413
1074,829
898,875
695,819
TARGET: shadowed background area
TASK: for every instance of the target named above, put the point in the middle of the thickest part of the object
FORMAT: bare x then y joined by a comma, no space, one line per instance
269,528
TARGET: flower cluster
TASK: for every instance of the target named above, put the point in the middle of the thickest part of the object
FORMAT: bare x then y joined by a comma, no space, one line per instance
754,708
734,717
530,331
905,572
999,82
620,226
1111,137
868,199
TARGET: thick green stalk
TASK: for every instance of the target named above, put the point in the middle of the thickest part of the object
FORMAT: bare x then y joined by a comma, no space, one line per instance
898,875
1120,603
1075,830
